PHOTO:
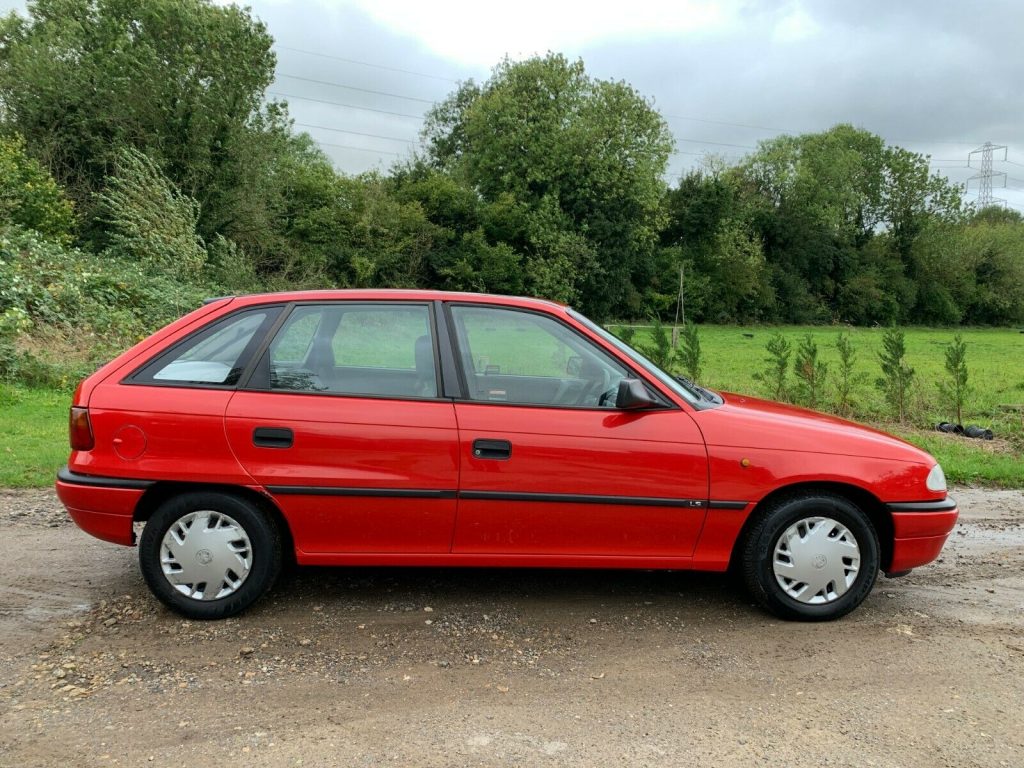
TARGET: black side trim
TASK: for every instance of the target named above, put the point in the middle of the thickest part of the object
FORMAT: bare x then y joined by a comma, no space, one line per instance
728,504
572,498
923,506
65,475
398,493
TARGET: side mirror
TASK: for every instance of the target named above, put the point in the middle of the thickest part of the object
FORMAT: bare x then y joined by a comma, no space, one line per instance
633,395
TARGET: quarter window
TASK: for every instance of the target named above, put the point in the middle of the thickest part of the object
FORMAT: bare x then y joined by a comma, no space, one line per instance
355,349
217,355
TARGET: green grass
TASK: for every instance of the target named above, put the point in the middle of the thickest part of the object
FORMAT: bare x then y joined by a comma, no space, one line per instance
35,436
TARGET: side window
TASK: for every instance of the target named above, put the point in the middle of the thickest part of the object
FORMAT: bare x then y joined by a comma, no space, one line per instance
383,350
527,358
216,355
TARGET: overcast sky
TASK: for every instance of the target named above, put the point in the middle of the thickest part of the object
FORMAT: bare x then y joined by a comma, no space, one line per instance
937,78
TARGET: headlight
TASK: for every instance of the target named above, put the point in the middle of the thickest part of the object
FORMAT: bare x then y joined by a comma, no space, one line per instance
936,479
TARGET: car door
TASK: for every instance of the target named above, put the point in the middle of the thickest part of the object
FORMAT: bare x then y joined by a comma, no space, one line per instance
549,466
342,424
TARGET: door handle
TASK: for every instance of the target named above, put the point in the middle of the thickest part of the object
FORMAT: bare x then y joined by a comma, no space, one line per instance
273,437
492,449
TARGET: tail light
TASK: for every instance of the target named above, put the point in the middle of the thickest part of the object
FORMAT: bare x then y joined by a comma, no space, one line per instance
80,429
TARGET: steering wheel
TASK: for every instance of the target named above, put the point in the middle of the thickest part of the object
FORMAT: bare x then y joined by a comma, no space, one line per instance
594,389
608,397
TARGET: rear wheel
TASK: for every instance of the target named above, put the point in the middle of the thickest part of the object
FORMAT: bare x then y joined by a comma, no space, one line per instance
811,557
209,555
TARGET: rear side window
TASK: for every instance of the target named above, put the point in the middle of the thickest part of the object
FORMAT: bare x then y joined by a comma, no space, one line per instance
214,356
382,350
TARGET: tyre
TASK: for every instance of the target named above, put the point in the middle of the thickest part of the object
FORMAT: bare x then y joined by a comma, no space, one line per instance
811,557
209,555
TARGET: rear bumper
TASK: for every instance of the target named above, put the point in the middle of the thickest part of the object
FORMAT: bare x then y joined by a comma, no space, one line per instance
101,506
920,530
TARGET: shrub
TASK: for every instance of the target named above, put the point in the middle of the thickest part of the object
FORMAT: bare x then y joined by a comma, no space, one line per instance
29,197
897,377
845,378
955,391
150,221
776,366
811,373
690,354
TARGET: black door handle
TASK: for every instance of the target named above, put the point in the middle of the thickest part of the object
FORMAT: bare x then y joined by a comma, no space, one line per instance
273,437
492,449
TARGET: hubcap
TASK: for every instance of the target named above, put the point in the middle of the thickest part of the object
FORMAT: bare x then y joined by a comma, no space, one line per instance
206,555
816,560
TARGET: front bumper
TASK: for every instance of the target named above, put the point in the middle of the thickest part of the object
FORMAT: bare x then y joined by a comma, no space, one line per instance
920,530
101,506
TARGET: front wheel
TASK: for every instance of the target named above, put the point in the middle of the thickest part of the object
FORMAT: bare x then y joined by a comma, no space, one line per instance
209,555
812,557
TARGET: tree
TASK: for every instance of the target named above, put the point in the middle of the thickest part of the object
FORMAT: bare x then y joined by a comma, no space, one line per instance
838,213
583,157
955,390
690,354
897,376
811,372
776,368
150,222
180,80
846,379
29,197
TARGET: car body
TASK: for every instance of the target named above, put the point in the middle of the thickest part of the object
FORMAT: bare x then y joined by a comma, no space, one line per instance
425,428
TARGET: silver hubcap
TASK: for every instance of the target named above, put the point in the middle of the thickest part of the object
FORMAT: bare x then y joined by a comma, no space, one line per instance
816,560
206,555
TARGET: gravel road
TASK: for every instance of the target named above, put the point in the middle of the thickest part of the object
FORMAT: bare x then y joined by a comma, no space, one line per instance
346,667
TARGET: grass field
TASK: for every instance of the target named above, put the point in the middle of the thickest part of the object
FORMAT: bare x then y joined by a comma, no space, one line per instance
35,421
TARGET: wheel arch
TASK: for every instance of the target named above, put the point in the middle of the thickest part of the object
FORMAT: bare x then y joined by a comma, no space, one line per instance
161,491
877,512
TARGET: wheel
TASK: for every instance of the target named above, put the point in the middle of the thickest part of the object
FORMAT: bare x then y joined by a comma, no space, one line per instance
209,555
811,557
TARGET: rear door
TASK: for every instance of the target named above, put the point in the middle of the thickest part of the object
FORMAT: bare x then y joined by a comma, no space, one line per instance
549,466
342,423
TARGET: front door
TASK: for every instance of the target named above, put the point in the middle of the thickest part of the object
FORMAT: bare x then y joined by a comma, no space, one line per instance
342,424
549,466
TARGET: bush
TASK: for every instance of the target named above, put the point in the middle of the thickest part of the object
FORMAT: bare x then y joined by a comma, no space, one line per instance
29,197
776,367
150,221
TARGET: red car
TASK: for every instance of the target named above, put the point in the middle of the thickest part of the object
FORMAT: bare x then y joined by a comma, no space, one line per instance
428,428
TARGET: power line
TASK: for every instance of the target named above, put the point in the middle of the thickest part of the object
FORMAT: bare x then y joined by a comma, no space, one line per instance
364,63
356,88
348,106
356,133
358,149
985,175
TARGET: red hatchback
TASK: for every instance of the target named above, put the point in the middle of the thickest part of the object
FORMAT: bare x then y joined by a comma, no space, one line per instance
428,428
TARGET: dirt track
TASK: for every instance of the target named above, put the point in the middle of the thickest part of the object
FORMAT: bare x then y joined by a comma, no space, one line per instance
376,667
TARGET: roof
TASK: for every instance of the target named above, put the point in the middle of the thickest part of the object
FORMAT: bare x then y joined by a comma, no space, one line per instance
393,294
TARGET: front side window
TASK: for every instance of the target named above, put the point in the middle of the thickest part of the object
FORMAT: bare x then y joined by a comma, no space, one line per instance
531,359
217,355
383,350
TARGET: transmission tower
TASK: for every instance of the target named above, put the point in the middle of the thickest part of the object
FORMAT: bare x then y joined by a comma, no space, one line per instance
985,173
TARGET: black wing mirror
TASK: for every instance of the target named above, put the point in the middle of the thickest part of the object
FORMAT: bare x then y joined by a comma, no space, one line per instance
633,395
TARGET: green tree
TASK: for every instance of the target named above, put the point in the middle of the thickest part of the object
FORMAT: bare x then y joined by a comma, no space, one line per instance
846,378
584,158
838,213
955,390
149,221
689,353
775,373
897,376
811,373
180,80
29,197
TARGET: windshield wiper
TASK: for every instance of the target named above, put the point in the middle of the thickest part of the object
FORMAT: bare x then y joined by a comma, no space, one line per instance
706,394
